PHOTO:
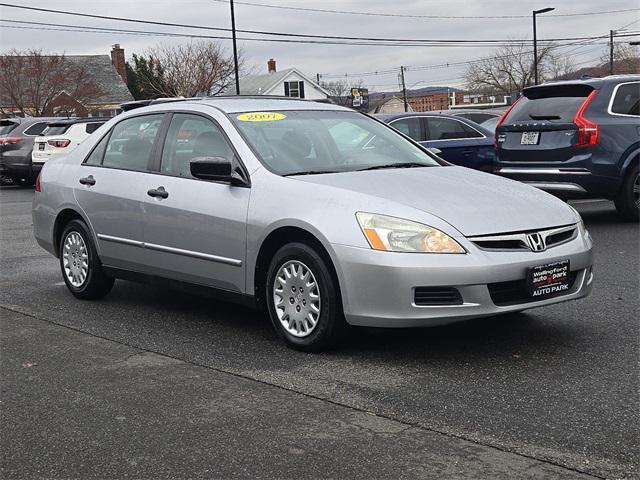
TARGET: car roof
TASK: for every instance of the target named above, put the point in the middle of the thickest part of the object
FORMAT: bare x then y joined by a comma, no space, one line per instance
240,103
595,82
436,113
72,121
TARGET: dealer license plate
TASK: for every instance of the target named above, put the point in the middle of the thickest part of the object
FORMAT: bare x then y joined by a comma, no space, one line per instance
529,138
550,279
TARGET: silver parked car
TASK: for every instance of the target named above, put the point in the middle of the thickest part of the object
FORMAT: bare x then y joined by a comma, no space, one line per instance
323,216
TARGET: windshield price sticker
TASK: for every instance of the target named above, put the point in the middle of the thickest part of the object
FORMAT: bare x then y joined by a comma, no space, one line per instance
261,117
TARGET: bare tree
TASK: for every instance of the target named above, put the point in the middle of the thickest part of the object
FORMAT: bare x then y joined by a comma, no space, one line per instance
31,81
340,90
188,70
511,68
625,60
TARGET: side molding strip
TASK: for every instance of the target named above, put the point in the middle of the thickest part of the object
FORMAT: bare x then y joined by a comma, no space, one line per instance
176,251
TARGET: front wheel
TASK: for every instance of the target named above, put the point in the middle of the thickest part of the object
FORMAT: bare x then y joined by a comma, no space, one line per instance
303,299
628,199
80,265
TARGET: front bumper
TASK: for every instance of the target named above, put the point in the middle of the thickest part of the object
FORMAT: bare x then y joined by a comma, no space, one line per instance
378,287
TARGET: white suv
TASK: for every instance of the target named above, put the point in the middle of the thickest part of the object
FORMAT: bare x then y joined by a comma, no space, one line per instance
61,137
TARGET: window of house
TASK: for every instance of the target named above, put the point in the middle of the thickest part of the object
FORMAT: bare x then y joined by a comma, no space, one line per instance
294,89
627,99
189,137
442,128
131,143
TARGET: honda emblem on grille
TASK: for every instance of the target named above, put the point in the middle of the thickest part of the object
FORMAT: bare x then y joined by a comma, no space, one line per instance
536,242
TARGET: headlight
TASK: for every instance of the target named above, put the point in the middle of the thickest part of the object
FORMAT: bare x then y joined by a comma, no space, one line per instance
397,235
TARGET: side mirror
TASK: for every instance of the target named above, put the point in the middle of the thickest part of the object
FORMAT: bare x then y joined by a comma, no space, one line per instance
211,168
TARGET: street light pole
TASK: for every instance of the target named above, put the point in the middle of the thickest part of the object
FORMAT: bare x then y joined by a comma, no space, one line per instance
535,41
235,48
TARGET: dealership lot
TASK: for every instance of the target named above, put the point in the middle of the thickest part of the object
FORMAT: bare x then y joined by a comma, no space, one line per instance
552,392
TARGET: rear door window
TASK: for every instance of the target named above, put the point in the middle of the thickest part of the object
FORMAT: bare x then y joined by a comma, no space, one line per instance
131,143
555,104
627,99
410,127
36,129
442,128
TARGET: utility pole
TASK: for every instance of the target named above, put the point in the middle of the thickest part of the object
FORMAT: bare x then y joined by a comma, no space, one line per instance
235,48
611,32
404,90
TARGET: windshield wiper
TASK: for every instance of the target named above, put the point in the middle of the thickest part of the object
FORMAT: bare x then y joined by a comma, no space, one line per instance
544,117
395,165
311,172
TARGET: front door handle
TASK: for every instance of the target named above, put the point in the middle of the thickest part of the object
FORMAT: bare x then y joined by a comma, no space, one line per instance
159,192
88,180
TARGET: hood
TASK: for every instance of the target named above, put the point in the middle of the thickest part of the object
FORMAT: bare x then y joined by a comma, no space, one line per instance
473,202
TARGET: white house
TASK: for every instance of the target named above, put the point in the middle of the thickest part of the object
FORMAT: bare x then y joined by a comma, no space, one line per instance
288,83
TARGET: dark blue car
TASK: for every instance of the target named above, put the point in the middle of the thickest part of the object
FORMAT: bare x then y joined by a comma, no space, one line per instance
461,141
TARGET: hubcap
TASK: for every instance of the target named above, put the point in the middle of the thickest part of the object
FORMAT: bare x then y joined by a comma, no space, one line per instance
296,298
636,191
75,259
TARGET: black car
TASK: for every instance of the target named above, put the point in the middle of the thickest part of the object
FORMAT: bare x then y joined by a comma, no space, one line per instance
16,144
577,138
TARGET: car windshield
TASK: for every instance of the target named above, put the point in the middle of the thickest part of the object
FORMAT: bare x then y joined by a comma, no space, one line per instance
313,142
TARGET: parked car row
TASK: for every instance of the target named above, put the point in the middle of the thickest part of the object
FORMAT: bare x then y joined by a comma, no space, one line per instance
575,139
26,143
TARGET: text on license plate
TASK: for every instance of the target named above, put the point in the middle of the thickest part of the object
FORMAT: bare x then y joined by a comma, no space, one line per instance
548,279
529,138
41,146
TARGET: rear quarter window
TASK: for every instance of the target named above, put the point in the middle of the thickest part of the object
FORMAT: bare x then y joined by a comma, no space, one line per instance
626,99
36,129
6,127
55,129
92,127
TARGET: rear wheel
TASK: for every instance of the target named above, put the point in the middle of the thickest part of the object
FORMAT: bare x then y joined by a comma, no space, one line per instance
80,265
303,299
628,199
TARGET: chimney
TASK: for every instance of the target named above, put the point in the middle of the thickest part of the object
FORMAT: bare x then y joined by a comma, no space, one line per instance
117,58
271,65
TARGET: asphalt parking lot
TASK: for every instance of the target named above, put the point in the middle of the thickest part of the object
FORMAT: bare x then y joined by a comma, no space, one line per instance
154,383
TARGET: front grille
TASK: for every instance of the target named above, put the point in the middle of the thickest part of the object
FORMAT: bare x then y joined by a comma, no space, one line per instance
436,296
518,241
515,291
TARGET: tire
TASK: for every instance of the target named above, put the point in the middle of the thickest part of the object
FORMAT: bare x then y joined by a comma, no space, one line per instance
76,245
320,293
627,201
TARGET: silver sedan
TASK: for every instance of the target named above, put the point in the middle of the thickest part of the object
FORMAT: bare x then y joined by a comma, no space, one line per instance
320,215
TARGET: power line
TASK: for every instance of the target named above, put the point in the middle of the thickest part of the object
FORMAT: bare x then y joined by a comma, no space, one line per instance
404,15
431,42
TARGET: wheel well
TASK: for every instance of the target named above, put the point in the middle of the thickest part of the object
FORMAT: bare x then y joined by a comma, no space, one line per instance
63,218
274,241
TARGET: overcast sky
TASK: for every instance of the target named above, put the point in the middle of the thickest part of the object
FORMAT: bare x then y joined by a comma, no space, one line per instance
328,59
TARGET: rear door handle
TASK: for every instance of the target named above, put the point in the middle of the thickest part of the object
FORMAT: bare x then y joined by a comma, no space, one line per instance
159,192
88,180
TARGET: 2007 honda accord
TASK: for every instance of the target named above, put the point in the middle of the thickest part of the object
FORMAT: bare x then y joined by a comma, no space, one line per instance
323,216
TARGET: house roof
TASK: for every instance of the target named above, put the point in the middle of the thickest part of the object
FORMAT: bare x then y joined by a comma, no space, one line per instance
114,89
261,84
106,77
